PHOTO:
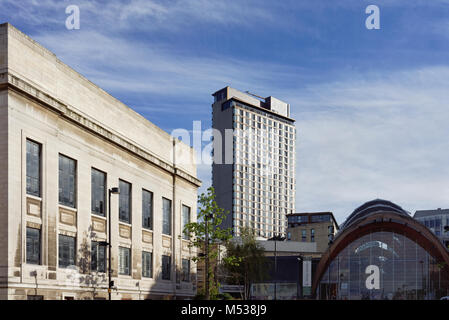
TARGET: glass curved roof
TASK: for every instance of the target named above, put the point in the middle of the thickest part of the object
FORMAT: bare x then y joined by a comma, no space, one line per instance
372,207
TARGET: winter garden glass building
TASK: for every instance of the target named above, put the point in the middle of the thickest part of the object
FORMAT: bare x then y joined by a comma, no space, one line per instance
381,252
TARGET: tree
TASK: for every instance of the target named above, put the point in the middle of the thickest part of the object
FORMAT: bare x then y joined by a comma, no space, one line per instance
248,264
207,234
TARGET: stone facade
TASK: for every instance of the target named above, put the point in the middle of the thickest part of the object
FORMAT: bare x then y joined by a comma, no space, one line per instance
43,100
316,227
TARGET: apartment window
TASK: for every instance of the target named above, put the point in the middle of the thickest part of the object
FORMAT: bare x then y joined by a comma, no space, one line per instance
98,257
304,235
185,276
33,244
125,201
98,192
185,220
67,251
166,267
33,169
312,235
166,216
124,260
147,264
147,209
67,181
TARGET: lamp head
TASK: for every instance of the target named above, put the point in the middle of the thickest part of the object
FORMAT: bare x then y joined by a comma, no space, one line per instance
114,190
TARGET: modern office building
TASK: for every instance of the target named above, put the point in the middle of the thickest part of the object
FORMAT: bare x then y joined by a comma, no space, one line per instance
253,172
65,143
437,221
381,252
319,227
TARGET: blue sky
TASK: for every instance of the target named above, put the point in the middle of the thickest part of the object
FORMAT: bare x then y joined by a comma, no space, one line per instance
371,105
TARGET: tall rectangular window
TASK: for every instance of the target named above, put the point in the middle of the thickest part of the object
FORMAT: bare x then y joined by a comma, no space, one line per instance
98,257
312,235
147,264
185,220
166,216
33,244
33,169
166,267
304,235
67,253
98,192
185,276
125,201
124,260
147,209
67,181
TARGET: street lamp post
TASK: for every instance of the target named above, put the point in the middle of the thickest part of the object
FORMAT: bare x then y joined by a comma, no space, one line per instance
206,247
114,190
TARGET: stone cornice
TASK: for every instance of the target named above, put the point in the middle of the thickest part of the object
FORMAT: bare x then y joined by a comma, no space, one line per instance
13,82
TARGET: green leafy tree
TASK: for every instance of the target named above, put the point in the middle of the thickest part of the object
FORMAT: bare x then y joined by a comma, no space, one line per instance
248,264
206,235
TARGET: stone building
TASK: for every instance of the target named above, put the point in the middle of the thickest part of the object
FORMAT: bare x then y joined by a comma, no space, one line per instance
64,144
319,227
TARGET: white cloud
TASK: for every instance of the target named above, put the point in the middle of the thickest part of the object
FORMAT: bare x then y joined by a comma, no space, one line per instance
375,137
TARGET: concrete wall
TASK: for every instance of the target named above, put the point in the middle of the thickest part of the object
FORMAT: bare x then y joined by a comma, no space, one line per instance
222,173
3,47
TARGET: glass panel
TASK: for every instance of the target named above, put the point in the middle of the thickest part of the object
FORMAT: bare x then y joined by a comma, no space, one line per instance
98,257
67,181
383,266
33,246
166,267
166,216
124,261
185,221
98,192
125,201
147,264
147,209
33,168
67,252
185,270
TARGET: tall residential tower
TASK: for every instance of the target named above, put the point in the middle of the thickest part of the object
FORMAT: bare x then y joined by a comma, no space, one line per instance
254,161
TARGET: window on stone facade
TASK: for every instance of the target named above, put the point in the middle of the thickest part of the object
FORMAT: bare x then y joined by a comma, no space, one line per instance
147,209
98,192
166,216
125,201
67,181
33,168
185,221
33,246
147,264
124,260
67,253
98,257
166,267
185,276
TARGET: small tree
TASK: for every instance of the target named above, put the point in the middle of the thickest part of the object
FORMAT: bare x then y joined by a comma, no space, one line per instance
207,234
248,264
